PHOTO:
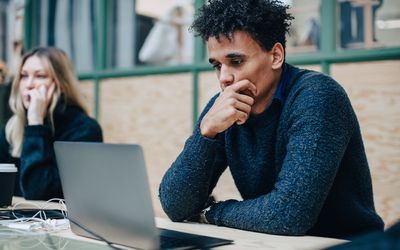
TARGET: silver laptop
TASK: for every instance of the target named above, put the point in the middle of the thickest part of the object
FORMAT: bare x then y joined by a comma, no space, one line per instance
108,197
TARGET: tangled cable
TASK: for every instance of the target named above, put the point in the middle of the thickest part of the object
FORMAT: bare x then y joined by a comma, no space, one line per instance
39,220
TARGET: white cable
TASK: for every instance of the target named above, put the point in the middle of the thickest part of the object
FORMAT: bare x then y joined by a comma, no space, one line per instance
39,221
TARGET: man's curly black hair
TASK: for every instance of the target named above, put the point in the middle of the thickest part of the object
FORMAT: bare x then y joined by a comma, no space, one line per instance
267,21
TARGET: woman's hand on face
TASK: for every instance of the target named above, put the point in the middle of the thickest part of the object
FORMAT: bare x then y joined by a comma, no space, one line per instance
233,105
40,99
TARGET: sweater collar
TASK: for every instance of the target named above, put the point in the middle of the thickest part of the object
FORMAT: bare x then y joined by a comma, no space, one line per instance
279,93
279,96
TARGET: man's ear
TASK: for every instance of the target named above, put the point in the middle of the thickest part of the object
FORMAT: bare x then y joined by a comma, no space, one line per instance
278,56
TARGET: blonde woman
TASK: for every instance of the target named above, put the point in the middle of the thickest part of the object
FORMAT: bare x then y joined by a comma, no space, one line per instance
46,107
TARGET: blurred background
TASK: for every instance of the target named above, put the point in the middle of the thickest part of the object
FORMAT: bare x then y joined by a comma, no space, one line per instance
146,78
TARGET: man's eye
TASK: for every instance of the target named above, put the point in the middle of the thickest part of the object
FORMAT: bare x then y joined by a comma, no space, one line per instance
216,66
236,62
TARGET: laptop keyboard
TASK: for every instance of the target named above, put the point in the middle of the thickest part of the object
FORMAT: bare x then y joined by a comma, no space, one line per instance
167,242
170,239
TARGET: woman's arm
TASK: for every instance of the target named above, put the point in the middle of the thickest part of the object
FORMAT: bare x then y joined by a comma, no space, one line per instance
39,177
4,148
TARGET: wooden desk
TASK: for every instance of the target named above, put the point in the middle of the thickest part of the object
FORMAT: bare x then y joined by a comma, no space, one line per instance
242,239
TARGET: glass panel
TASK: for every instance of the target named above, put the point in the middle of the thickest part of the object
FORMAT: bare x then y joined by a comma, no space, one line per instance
67,25
11,27
121,28
305,29
165,39
368,23
3,30
387,24
73,25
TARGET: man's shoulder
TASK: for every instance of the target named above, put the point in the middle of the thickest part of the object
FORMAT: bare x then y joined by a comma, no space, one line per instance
316,92
302,76
305,81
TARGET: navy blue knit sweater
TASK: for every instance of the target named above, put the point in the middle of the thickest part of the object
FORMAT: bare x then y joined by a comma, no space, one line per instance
37,177
299,166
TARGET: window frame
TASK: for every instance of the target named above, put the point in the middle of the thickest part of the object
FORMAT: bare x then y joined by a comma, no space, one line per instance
327,55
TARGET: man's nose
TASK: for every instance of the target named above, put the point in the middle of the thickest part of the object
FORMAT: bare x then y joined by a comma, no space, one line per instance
226,76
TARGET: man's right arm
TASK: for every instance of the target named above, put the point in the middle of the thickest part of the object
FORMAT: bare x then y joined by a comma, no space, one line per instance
186,186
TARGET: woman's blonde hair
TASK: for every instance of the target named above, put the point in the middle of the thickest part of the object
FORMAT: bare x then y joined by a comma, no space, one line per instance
60,69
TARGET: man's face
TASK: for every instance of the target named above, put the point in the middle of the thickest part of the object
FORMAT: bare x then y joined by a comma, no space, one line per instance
242,58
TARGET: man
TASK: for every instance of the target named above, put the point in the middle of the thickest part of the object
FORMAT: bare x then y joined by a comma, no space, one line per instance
289,136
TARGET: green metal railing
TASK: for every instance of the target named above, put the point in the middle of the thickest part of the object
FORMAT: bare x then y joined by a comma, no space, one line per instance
327,55
101,51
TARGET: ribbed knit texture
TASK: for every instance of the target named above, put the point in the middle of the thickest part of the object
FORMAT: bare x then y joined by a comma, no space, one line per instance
300,167
37,177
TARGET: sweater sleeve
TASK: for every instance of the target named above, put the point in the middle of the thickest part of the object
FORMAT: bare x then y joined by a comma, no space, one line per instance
39,177
320,125
186,186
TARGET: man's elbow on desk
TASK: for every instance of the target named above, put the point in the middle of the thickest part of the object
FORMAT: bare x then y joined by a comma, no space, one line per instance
179,207
177,216
177,213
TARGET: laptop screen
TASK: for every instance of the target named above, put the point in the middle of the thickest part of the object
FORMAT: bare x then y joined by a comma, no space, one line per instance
107,192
